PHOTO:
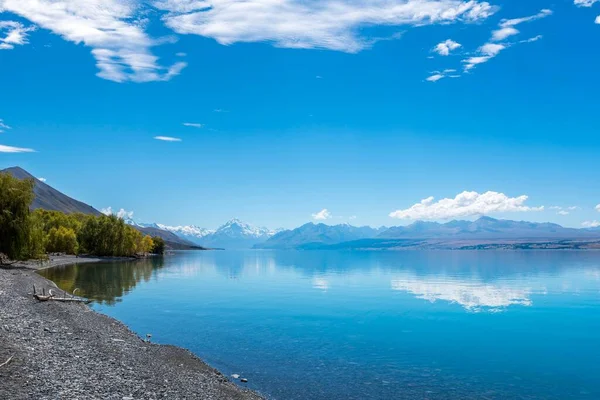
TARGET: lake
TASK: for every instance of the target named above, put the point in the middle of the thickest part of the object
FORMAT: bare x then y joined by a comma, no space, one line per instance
369,325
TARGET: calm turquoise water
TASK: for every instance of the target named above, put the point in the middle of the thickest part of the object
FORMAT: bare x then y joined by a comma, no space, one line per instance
370,325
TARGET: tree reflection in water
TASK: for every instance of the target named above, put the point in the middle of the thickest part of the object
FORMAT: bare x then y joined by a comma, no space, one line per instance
105,283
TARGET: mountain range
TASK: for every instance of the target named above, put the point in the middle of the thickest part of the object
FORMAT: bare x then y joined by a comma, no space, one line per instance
235,234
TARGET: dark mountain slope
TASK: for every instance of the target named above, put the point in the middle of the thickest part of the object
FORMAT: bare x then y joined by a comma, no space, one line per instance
48,198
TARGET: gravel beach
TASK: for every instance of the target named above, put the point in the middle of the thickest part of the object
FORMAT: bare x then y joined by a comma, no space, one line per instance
67,351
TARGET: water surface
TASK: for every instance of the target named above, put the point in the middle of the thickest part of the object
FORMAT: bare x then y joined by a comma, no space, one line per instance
369,325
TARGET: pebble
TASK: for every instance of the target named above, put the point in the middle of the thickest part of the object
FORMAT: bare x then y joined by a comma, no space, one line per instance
244,380
235,376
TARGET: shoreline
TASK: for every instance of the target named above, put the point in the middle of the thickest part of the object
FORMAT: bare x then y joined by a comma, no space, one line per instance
67,350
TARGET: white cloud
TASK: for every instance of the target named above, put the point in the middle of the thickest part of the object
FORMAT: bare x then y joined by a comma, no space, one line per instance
597,208
473,296
3,126
167,139
193,124
13,33
435,77
114,29
597,21
585,3
506,30
532,39
563,210
446,47
41,179
322,215
121,213
11,149
465,204
325,24
591,224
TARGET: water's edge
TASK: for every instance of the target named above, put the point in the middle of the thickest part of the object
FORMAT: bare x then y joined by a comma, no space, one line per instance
70,316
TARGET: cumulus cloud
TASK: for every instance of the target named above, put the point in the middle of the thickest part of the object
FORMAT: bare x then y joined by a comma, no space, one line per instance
193,124
597,208
507,28
326,24
167,138
41,179
322,215
465,204
444,48
11,149
113,29
3,126
591,224
597,21
563,212
122,213
473,296
13,33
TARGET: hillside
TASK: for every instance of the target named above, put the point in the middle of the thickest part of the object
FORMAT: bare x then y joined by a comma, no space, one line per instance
48,198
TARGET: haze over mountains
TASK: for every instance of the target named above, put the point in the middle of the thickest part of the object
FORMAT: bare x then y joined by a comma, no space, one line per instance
236,234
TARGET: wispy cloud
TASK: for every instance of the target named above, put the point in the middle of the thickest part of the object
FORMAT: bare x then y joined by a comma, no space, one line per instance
438,75
167,138
3,126
113,29
444,48
322,215
465,204
591,224
122,213
41,179
585,3
563,210
325,24
193,124
13,33
11,149
507,28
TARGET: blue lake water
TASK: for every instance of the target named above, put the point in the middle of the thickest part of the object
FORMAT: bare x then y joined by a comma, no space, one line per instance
369,325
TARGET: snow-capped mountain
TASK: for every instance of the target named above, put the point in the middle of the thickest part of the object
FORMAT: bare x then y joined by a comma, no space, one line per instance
234,234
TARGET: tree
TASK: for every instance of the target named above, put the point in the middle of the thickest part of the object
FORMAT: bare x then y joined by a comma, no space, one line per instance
62,240
147,244
15,225
158,245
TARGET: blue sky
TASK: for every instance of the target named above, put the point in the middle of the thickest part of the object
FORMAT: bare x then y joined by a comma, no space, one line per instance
360,108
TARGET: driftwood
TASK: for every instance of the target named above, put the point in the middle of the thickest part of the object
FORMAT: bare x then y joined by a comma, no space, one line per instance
6,362
52,296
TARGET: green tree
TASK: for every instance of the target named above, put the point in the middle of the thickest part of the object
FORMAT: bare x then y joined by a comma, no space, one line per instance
158,245
62,240
15,225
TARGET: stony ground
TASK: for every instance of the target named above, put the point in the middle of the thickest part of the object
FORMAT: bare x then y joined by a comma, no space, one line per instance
67,351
